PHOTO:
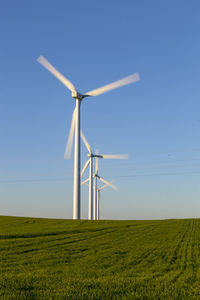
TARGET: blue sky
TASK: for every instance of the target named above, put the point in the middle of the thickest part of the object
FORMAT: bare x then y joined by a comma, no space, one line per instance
155,121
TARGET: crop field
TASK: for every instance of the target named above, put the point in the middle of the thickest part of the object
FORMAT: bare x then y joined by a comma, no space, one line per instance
65,259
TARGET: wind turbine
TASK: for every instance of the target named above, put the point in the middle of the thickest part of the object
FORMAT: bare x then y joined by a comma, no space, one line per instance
98,199
76,116
96,177
89,162
98,193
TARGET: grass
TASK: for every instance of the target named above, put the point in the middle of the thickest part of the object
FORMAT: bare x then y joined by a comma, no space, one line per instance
65,259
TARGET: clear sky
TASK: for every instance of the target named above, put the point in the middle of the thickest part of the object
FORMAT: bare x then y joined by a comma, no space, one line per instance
155,121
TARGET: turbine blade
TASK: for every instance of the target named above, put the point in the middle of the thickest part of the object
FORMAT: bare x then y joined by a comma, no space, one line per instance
85,167
68,149
85,181
124,81
115,156
109,183
85,142
104,186
45,63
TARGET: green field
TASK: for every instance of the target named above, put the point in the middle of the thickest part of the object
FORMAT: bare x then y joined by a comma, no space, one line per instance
65,259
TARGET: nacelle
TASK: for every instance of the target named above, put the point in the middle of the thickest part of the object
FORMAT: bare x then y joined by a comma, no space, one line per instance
76,95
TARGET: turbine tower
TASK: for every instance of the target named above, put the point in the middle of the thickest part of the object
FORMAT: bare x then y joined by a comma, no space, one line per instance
78,98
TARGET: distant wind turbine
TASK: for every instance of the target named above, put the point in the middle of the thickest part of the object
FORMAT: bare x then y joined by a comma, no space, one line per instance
76,117
97,207
98,199
89,162
96,177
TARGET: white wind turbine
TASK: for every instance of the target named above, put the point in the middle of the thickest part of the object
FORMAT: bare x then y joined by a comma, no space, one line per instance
92,204
98,199
76,116
96,177
98,193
